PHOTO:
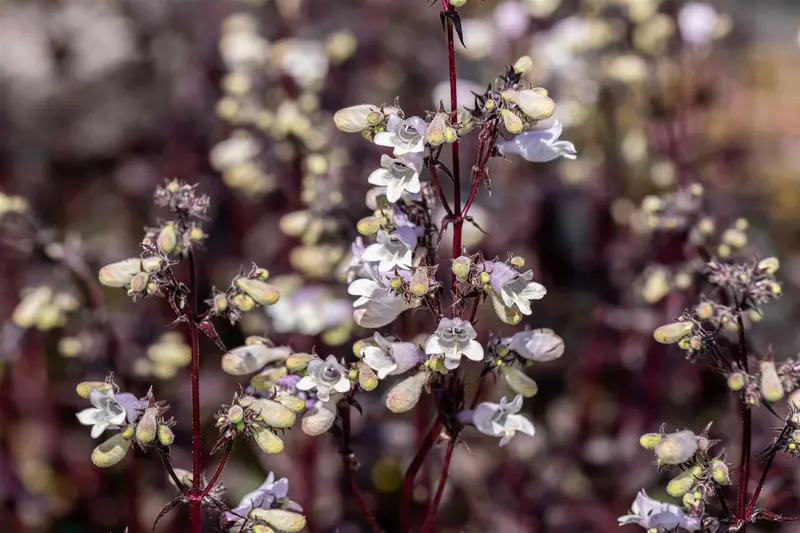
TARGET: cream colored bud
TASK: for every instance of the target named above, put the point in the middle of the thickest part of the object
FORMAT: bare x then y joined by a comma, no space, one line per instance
771,386
318,420
735,238
84,389
151,264
297,405
681,484
523,64
484,277
368,226
283,520
649,440
676,448
367,379
458,3
261,292
147,427
358,347
720,473
396,282
355,118
405,394
261,528
111,451
511,121
737,381
298,361
672,333
235,414
460,268
652,204
70,347
120,273
167,239
704,310
268,441
139,282
533,102
769,265
261,274
220,303
450,135
656,286
243,302
165,435
434,135
419,285
519,381
268,378
375,118
517,262
129,431
274,413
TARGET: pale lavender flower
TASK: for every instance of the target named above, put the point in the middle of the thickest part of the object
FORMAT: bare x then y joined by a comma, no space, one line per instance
655,515
133,406
308,310
403,135
453,338
325,377
540,145
395,250
398,175
264,497
501,419
514,288
540,345
377,304
390,358
106,413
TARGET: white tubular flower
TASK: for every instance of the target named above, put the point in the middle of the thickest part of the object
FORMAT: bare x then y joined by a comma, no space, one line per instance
501,419
540,345
325,376
390,358
354,119
540,145
453,338
655,515
395,250
533,102
398,175
403,136
377,304
515,289
106,413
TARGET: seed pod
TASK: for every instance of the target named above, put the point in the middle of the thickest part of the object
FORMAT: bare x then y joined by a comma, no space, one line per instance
649,440
85,388
405,394
283,520
274,413
460,268
318,420
298,361
367,379
263,293
297,405
720,473
676,448
147,427
269,442
111,451
519,381
771,386
165,435
167,239
672,333
120,273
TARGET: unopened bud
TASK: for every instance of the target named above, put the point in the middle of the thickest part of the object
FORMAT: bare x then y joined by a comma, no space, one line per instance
484,277
795,436
649,440
167,240
147,426
705,310
358,347
374,118
523,64
672,333
262,274
275,414
741,224
196,234
318,420
280,519
519,381
706,226
682,484
129,431
298,361
511,121
165,435
297,405
405,394
111,451
434,135
368,226
419,285
220,303
139,282
120,273
517,262
458,3
243,302
734,237
771,386
720,473
775,289
85,388
676,448
737,381
267,441
652,203
151,264
450,135
460,268
769,265
367,379
696,189
261,292
235,414
396,282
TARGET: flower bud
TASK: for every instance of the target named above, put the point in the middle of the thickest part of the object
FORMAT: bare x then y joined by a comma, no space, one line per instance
274,413
261,292
741,224
294,403
734,238
450,135
367,379
523,64
704,311
268,441
85,388
682,484
368,226
771,386
533,102
795,436
165,435
147,427
484,278
656,286
243,302
280,519
689,500
196,234
151,264
111,451
434,135
719,471
672,333
405,394
737,381
676,448
517,262
375,118
775,289
396,282
511,121
419,285
129,431
120,273
649,440
318,420
298,361
769,265
519,381
167,239
460,268
139,282
235,414
458,3
358,348
268,378
261,528
355,118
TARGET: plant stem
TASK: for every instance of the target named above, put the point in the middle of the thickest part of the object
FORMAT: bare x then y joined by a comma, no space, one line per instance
413,468
431,519
195,499
458,222
760,485
220,467
747,430
347,462
171,472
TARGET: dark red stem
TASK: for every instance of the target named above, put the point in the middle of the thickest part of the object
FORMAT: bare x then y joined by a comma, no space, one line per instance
458,222
172,474
760,485
220,467
348,462
413,469
431,519
195,499
747,430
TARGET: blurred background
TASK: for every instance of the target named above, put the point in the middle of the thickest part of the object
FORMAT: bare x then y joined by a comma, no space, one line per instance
101,100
